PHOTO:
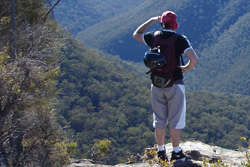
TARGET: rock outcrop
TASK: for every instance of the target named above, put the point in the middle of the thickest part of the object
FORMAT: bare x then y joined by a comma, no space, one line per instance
197,150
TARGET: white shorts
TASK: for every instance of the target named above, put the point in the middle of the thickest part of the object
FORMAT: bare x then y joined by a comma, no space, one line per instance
169,106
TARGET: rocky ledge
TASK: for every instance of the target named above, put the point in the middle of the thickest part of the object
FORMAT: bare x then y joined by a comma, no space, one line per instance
197,151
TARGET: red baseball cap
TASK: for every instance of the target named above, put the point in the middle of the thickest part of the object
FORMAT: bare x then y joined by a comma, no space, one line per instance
170,18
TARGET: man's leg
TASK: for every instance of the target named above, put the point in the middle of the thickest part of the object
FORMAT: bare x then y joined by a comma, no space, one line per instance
177,153
160,136
177,114
175,137
159,107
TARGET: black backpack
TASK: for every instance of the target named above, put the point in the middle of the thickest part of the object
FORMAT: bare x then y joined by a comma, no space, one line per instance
163,77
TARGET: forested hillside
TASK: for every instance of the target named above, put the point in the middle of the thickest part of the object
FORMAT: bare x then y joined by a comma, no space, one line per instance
76,16
201,21
224,64
61,99
104,98
217,30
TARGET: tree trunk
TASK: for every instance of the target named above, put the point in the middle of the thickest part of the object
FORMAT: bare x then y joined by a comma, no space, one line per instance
13,27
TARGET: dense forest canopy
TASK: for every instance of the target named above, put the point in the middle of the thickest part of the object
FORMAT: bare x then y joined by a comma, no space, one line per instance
103,99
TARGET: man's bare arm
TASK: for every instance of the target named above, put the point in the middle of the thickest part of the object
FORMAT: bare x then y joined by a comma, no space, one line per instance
138,34
193,58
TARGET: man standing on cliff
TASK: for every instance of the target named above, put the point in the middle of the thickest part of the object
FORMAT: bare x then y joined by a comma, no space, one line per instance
169,102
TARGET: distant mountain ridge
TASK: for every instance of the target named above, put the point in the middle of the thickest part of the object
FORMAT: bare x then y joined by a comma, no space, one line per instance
216,29
76,16
195,20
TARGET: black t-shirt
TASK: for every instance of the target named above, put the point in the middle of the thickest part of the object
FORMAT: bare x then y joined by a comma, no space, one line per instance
181,45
